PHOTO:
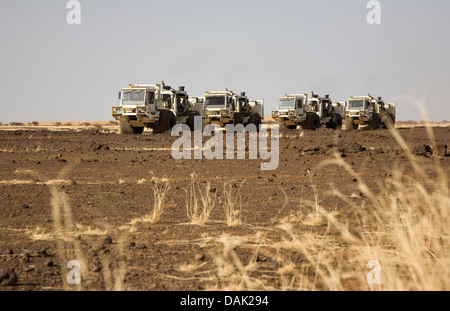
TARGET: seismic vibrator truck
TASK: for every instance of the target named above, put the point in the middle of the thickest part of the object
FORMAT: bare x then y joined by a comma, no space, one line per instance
155,106
226,107
370,111
309,112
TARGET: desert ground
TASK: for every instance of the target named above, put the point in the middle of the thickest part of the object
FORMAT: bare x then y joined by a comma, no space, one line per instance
137,219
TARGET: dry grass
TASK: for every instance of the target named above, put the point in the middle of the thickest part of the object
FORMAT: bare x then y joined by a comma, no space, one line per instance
160,188
232,203
200,201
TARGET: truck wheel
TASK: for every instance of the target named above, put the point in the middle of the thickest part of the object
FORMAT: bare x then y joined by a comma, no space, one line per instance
238,118
290,127
312,122
330,124
166,121
337,122
376,122
127,128
256,120
350,125
191,119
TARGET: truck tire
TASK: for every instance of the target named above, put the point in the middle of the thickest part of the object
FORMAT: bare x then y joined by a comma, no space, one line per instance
166,121
238,118
330,124
191,119
138,130
127,128
312,122
376,123
337,122
256,120
350,125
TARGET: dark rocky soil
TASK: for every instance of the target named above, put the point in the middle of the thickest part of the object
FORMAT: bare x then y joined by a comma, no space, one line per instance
105,181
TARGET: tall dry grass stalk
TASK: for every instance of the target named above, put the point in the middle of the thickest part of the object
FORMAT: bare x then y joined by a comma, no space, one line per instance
232,203
114,278
160,188
405,227
69,237
200,201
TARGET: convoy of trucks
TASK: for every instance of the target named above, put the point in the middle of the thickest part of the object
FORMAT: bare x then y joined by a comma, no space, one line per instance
159,107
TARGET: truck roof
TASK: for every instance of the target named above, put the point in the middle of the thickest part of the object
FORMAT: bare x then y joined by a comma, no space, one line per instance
230,93
293,95
141,86
359,97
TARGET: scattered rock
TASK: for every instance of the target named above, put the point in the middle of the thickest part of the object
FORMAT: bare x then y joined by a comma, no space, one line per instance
350,147
25,206
94,146
422,150
200,257
8,277
49,263
108,240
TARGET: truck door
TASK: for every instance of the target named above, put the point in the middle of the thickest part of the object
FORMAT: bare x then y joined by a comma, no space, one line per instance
167,101
150,101
299,106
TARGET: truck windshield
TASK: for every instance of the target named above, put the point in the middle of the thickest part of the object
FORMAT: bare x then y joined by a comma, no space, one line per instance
356,104
287,104
215,102
133,97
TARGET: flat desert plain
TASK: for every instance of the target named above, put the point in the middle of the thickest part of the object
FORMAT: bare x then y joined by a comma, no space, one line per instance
344,210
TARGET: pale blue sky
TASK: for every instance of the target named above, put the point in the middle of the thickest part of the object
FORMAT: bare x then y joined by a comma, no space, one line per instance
52,71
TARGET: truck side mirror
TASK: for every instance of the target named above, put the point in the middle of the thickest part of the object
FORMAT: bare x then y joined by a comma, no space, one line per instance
119,95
